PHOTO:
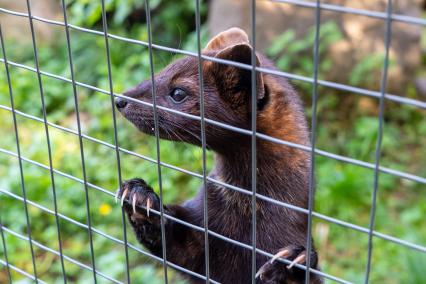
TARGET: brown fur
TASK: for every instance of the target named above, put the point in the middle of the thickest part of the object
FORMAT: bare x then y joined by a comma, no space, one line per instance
282,171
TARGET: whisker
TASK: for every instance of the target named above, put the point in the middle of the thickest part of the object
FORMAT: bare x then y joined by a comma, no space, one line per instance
187,131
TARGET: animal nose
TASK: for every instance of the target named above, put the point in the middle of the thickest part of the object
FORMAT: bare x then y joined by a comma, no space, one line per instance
120,103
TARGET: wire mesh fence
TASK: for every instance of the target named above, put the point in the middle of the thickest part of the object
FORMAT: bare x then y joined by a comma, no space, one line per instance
388,17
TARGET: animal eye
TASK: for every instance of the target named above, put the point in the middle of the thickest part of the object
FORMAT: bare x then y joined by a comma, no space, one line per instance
178,95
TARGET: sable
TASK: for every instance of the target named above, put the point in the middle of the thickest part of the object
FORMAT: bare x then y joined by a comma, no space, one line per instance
282,171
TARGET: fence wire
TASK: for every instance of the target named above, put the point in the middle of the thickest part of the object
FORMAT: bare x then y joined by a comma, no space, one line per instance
383,82
388,17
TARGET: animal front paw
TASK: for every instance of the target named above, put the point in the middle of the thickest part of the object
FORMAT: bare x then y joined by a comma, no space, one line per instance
137,199
275,271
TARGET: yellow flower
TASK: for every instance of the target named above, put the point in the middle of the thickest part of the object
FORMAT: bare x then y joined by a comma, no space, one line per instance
105,209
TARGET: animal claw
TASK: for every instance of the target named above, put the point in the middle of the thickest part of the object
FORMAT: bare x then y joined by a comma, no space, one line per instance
116,196
148,206
301,258
134,203
259,273
123,197
284,253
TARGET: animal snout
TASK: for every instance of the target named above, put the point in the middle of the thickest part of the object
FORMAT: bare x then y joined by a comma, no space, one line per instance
120,103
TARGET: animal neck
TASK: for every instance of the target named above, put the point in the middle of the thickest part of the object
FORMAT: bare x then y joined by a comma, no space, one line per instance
282,172
277,176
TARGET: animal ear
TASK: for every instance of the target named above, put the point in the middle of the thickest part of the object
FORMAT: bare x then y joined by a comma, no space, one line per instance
232,80
230,37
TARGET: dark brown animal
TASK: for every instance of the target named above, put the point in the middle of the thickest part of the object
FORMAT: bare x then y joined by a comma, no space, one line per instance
282,172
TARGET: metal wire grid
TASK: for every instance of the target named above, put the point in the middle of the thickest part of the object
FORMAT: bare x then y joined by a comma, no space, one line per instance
388,16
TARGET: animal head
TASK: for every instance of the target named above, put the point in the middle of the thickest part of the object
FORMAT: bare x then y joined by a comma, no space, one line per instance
227,94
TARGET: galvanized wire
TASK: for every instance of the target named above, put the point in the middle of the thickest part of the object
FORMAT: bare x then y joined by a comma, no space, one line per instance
228,186
361,12
324,83
318,6
253,140
77,111
20,271
18,150
114,120
323,153
105,235
313,140
203,142
383,83
6,258
50,250
157,139
198,228
37,65
332,220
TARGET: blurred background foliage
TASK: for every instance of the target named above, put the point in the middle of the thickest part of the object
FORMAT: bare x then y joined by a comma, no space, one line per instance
347,126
